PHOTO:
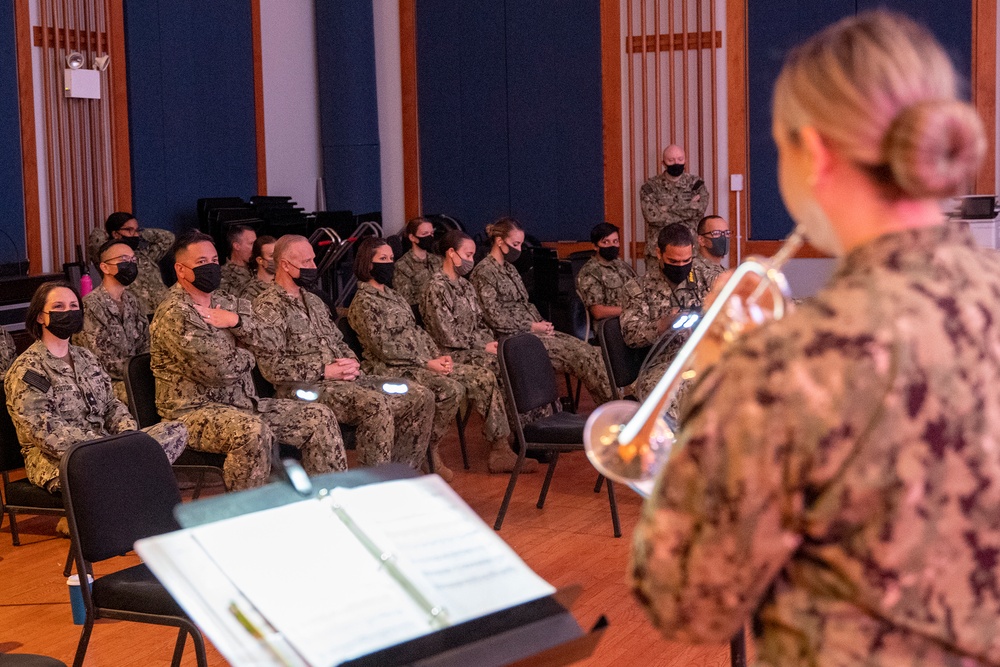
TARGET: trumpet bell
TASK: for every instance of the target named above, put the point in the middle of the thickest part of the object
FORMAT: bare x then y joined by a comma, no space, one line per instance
635,462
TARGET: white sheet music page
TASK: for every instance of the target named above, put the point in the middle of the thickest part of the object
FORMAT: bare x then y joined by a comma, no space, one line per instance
309,577
433,533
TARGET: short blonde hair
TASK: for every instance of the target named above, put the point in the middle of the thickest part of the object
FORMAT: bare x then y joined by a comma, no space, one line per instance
880,89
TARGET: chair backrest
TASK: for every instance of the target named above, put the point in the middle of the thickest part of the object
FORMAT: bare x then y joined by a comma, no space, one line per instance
351,337
140,387
527,372
10,448
623,362
117,490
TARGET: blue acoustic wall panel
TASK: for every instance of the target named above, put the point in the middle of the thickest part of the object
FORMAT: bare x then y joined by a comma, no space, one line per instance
462,110
345,53
191,106
777,25
555,116
509,106
12,235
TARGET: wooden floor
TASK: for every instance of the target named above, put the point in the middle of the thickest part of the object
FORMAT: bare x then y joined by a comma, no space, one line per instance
568,542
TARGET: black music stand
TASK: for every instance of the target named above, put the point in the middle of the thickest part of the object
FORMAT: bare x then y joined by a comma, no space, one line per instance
537,633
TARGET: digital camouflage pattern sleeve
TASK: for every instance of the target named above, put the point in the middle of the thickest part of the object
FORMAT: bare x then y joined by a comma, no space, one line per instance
837,473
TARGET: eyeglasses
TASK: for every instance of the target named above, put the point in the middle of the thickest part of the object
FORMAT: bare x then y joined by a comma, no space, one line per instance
717,234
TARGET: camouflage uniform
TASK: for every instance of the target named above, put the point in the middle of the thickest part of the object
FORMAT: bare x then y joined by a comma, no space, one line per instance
507,311
148,287
394,343
412,275
709,268
56,403
838,475
113,331
300,339
234,278
664,201
253,289
601,283
7,351
203,379
649,298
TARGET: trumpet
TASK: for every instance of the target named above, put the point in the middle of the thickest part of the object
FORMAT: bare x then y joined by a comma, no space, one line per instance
630,442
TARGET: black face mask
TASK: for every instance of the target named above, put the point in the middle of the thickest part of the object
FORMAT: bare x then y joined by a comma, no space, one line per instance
64,323
127,273
426,243
207,277
677,274
383,272
609,253
512,254
137,243
675,170
307,277
720,247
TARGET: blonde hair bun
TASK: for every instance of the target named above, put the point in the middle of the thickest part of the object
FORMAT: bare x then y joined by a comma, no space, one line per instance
934,148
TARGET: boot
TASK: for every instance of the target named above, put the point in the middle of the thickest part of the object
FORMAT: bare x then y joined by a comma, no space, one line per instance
439,467
62,527
502,459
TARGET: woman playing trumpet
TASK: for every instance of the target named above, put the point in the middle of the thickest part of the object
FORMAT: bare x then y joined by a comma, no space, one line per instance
837,474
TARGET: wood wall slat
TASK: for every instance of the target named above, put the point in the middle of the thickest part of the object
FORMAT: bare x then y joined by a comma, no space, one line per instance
611,103
29,149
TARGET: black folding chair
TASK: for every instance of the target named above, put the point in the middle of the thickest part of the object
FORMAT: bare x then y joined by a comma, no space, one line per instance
21,496
621,361
99,479
530,383
140,388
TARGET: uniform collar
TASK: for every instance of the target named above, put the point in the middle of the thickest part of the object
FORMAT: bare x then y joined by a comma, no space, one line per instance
913,248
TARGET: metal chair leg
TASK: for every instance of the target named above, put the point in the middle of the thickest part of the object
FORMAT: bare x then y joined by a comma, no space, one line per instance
199,646
738,650
68,568
614,509
569,393
179,648
81,647
14,535
548,479
461,435
510,491
599,483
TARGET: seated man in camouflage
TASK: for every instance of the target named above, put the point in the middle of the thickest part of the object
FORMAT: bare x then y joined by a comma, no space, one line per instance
713,242
302,345
653,301
198,343
114,326
237,271
58,394
602,279
149,246
7,351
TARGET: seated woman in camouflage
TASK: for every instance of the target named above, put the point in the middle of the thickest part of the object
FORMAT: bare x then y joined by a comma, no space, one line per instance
58,394
7,351
394,344
416,266
507,311
454,319
262,265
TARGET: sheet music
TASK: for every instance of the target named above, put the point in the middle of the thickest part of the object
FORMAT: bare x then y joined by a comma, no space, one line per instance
471,571
308,576
300,568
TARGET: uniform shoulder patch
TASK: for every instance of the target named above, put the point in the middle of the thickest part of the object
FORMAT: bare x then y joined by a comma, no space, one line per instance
632,288
268,313
37,380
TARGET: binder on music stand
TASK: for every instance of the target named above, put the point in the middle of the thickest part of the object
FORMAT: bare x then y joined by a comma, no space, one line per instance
367,567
